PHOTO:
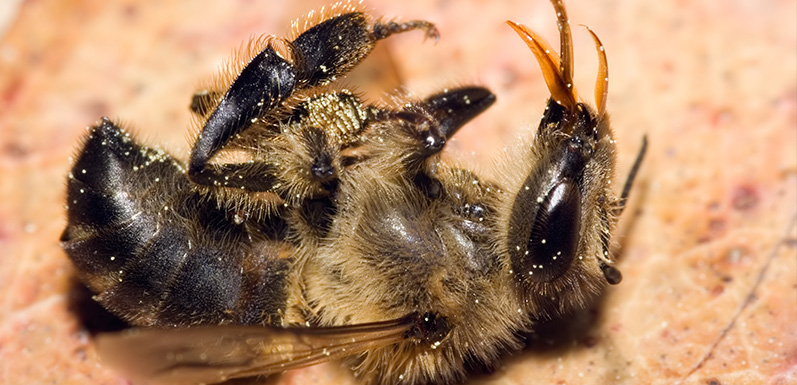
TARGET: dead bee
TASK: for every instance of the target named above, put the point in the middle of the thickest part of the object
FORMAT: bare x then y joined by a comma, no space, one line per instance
333,230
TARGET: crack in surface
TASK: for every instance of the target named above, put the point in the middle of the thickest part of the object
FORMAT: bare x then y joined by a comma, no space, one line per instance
780,243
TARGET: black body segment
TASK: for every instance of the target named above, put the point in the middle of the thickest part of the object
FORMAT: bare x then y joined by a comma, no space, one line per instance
154,251
107,223
144,283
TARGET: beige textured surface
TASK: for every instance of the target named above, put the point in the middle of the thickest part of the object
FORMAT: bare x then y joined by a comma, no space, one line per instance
713,84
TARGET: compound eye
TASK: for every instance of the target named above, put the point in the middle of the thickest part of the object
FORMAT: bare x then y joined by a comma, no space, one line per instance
555,234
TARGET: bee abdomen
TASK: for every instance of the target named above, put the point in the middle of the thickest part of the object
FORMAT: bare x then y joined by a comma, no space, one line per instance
174,282
107,222
143,283
155,252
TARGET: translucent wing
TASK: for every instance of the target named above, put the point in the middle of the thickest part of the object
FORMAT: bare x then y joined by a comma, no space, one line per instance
212,354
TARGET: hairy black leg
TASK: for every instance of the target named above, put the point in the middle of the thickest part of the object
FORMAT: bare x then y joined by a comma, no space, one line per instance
320,54
452,109
262,84
254,176
437,118
434,121
314,151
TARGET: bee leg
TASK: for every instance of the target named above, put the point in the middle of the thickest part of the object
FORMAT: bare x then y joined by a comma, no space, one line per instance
321,54
452,109
434,121
611,273
382,29
260,87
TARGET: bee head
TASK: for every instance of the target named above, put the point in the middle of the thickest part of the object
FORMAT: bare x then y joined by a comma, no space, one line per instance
561,216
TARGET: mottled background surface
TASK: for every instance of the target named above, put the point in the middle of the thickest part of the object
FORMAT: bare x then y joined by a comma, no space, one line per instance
709,249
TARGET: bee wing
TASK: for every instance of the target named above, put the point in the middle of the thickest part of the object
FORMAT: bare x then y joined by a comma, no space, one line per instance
212,354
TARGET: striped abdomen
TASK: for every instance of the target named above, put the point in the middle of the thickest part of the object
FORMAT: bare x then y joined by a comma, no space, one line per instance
155,252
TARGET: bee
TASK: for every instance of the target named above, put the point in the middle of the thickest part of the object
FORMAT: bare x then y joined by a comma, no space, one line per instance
309,226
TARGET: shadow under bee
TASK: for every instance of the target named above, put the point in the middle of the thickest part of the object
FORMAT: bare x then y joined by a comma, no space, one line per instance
92,317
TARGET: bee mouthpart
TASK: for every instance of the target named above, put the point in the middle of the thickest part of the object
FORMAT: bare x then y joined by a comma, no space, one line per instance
602,82
561,88
558,71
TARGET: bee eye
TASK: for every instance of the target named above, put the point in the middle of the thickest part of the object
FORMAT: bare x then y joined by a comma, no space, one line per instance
555,233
